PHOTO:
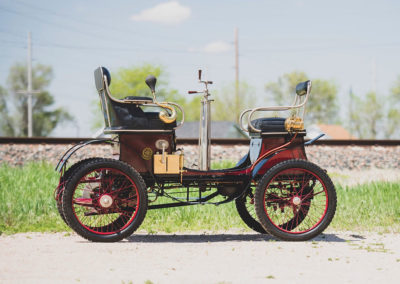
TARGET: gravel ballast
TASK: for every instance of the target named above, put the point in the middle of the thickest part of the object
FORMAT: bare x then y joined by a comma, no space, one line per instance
331,157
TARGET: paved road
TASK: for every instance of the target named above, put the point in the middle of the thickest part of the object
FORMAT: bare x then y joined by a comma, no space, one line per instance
226,257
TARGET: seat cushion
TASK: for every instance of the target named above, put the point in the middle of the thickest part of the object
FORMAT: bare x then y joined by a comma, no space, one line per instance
134,98
131,116
269,124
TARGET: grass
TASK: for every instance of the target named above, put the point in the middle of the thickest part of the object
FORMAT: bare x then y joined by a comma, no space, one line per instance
26,199
369,207
27,205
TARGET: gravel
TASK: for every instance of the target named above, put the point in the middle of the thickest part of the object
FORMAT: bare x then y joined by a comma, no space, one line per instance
331,157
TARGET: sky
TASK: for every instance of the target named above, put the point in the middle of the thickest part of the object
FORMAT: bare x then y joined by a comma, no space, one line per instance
353,43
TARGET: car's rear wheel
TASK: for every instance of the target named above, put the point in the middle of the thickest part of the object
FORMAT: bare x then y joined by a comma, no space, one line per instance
105,200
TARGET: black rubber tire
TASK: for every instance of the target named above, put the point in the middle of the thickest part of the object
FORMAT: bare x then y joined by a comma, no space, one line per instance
246,216
64,179
75,179
327,217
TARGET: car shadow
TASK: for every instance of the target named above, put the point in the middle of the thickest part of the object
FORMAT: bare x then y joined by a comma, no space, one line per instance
207,238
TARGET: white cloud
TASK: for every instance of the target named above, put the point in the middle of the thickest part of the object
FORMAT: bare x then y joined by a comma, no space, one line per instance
165,13
217,47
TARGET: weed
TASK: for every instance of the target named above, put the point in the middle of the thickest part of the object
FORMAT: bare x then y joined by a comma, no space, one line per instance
270,277
369,248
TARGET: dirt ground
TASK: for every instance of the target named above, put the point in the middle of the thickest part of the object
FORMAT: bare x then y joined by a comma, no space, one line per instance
224,257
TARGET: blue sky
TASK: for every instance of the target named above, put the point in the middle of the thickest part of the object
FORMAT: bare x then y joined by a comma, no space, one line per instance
344,41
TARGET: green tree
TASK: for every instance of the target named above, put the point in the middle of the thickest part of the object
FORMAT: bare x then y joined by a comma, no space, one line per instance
322,104
393,114
366,116
5,126
224,106
131,82
44,118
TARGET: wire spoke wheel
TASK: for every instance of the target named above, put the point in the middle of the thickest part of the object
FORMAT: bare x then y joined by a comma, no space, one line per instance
295,200
247,212
105,200
63,181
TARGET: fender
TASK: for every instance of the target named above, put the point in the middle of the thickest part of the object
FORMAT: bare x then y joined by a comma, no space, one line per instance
314,139
63,161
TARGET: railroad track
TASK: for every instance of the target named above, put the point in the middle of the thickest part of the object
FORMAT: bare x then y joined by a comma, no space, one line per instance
192,141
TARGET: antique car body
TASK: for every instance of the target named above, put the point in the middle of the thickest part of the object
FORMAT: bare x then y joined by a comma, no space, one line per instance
150,161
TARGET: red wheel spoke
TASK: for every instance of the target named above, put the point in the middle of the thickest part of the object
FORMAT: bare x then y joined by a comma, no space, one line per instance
117,188
281,200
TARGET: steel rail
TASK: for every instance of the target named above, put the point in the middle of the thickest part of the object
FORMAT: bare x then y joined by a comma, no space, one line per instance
194,141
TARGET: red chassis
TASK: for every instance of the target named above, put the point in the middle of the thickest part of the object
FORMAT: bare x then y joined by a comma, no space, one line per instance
275,188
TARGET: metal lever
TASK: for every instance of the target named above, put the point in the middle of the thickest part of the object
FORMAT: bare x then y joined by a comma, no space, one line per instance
163,154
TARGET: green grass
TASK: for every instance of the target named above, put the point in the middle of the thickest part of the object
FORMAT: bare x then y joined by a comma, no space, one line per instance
26,199
370,207
27,204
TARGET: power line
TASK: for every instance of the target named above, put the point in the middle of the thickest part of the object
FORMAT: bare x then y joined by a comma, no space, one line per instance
52,24
12,34
322,48
10,41
113,48
93,35
95,24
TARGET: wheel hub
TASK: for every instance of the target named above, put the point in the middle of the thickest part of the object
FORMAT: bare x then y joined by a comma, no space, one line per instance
106,201
296,200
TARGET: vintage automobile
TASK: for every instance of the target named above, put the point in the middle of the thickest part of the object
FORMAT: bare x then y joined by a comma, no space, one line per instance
276,190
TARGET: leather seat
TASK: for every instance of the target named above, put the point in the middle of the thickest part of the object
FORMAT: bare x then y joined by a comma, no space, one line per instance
131,116
269,124
134,98
124,115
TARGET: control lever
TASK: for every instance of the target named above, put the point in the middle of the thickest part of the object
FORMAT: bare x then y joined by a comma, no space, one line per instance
206,83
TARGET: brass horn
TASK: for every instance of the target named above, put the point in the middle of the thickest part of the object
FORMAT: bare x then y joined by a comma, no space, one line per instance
164,115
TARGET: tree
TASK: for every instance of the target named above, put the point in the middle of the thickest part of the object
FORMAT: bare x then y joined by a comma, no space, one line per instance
5,126
224,105
393,114
366,116
322,104
131,82
44,119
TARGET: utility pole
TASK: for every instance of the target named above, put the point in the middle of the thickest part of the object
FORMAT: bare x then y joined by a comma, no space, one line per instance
236,73
29,92
30,124
373,63
350,114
